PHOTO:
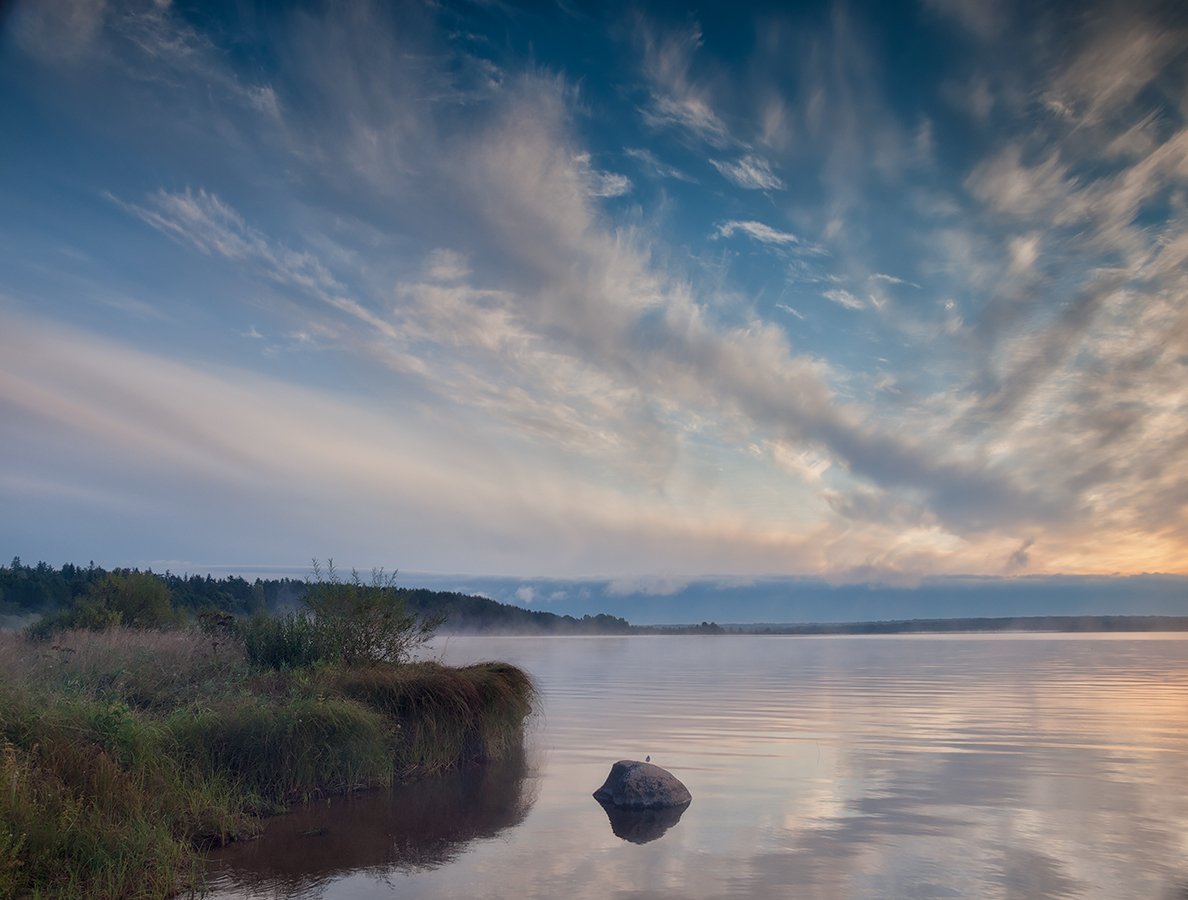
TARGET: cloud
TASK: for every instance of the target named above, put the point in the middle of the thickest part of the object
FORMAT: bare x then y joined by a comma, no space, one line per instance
582,344
750,172
647,585
59,30
610,184
1024,252
844,298
1009,186
447,265
146,42
322,469
763,233
892,279
440,223
654,166
985,20
1021,558
1124,52
601,184
784,307
676,99
203,220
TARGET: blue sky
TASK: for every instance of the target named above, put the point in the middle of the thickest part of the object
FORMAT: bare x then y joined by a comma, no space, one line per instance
852,292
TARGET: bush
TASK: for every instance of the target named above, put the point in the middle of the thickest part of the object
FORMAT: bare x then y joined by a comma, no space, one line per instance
134,599
363,623
352,623
141,599
285,642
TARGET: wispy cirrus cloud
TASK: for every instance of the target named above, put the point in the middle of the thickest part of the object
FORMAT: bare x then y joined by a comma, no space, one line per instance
750,172
201,219
676,99
892,279
844,298
603,184
656,167
765,234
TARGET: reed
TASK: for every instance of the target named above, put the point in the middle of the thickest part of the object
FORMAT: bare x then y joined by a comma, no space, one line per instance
294,750
443,715
124,752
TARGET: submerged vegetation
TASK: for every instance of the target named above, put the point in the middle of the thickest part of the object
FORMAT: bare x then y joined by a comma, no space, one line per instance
126,750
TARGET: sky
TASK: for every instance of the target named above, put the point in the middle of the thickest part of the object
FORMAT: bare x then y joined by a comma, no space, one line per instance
858,293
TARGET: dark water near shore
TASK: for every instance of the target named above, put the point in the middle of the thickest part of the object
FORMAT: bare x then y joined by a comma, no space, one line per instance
917,767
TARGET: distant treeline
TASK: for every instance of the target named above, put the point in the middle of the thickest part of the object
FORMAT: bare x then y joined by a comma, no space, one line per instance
28,591
1062,624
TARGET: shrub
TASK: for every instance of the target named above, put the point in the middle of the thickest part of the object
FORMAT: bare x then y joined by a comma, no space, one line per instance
134,599
362,623
141,599
284,642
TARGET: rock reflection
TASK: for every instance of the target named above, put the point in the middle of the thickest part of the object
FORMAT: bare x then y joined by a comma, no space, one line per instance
641,826
416,826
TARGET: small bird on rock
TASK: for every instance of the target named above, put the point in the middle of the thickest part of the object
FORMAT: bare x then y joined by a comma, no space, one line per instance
647,759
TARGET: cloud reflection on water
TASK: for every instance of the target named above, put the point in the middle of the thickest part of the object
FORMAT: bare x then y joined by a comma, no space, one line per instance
846,768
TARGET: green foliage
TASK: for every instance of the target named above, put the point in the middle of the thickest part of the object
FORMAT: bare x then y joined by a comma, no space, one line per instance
135,599
140,599
361,623
293,641
92,802
279,751
41,588
348,622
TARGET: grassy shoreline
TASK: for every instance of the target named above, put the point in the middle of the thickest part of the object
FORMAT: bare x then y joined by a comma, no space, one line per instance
123,753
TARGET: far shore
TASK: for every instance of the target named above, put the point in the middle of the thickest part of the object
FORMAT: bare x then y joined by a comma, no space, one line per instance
1003,625
1027,624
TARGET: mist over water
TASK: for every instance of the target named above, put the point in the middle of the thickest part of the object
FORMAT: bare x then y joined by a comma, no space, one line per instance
933,766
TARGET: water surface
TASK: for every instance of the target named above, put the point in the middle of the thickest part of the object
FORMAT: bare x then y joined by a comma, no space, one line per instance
832,767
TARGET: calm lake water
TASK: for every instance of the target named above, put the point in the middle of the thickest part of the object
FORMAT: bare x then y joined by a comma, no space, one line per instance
832,767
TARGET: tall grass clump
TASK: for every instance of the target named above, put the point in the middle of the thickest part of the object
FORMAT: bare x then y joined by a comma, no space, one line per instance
445,715
95,802
292,750
292,641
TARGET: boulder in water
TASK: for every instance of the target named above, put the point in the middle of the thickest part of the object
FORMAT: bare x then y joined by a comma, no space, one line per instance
639,785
